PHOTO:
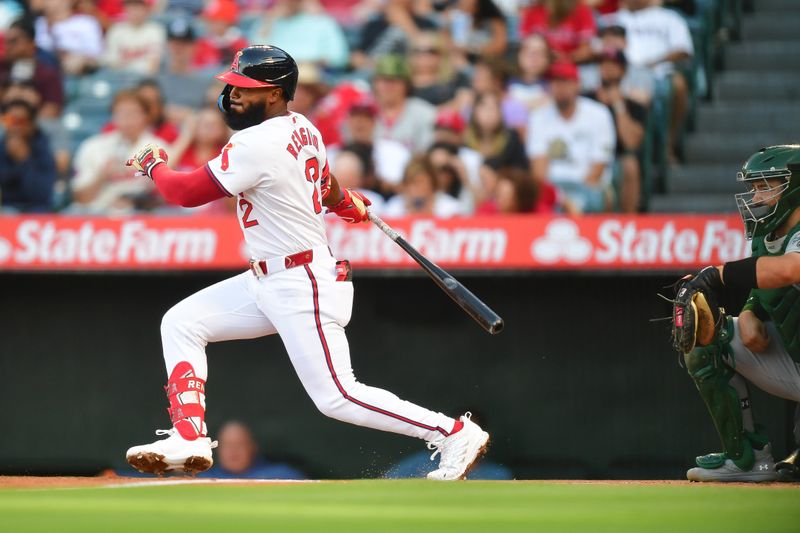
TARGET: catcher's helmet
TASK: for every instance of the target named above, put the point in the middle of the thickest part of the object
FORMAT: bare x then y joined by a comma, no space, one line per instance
259,66
781,162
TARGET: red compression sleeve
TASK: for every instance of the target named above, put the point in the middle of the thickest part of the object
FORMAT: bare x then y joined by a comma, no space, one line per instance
188,189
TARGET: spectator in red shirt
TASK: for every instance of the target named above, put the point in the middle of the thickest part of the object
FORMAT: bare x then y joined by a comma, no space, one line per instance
204,139
24,63
604,7
150,91
568,26
515,191
223,39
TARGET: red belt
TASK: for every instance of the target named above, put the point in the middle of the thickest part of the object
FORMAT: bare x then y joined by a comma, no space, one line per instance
259,268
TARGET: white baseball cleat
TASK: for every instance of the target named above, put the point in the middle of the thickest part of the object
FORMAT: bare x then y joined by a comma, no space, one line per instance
763,470
172,453
459,452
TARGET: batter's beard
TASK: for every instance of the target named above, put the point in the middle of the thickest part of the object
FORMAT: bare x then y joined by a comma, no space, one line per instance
253,115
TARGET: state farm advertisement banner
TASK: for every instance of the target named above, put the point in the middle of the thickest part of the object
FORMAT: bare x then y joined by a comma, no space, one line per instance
516,242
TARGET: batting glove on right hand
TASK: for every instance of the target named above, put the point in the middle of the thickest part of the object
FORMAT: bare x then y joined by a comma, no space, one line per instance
352,208
146,159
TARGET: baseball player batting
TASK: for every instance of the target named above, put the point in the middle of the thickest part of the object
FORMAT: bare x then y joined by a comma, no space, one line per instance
276,167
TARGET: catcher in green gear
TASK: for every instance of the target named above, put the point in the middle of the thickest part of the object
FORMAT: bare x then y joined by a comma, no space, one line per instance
762,344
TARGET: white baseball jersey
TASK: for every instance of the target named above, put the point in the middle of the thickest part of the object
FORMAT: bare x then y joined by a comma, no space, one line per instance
277,170
652,34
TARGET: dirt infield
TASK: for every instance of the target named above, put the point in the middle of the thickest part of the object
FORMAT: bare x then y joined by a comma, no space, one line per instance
38,482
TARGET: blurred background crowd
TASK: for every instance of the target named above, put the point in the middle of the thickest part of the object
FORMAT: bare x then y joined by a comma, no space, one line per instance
432,107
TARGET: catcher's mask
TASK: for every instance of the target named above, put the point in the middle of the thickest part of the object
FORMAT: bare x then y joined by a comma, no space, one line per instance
771,178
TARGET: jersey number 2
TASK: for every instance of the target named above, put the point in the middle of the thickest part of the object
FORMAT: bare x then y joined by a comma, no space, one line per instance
312,175
247,208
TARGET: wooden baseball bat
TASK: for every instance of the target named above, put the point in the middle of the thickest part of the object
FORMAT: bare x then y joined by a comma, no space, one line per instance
471,304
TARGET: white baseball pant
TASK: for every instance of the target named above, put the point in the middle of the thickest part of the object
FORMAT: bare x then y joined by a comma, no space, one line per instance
309,309
772,370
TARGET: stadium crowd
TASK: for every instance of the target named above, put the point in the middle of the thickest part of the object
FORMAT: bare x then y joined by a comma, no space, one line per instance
432,107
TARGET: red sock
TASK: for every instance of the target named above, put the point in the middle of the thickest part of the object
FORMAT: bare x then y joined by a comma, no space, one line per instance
457,427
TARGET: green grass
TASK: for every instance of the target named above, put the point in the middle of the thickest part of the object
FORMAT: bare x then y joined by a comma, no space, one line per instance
386,506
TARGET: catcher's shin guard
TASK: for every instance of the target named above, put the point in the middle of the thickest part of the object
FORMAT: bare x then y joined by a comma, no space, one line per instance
712,375
186,395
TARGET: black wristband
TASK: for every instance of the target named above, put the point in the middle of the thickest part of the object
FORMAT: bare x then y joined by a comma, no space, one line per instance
741,275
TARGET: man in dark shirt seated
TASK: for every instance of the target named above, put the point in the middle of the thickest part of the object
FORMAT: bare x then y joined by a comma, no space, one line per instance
27,166
23,62
238,457
630,118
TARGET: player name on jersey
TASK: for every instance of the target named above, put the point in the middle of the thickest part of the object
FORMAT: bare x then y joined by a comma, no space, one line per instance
516,242
301,137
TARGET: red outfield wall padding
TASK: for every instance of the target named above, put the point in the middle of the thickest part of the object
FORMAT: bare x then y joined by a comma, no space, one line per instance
658,242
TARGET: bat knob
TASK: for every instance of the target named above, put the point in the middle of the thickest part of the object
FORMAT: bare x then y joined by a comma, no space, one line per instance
497,326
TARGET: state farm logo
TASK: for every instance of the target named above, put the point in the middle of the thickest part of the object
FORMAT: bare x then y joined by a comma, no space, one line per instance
5,250
466,245
621,241
561,241
131,243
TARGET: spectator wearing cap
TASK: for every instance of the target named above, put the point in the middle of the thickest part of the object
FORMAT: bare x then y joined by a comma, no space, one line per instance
403,118
478,28
222,39
384,158
310,90
326,108
187,85
27,166
568,26
529,86
24,63
136,44
108,12
659,39
311,35
571,143
630,118
390,32
638,83
434,78
76,38
458,166
102,183
420,194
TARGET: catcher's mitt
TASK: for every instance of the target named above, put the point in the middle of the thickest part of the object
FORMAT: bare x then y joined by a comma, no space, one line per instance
696,315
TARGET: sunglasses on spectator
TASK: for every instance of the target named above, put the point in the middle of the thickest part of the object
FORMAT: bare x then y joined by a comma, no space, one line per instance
425,51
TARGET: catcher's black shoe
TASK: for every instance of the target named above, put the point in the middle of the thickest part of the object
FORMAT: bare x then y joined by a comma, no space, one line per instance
789,469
